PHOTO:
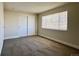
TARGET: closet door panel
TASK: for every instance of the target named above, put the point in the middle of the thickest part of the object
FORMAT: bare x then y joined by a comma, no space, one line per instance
22,26
31,25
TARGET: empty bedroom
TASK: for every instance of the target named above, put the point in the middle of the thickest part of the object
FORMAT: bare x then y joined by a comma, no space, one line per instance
39,29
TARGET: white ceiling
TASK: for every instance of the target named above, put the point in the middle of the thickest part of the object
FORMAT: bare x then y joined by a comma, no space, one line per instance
31,7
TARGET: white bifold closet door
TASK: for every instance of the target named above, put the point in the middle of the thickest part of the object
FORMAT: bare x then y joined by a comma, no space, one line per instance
22,26
26,25
31,25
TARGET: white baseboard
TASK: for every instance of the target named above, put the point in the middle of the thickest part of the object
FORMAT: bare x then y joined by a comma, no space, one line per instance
63,42
12,37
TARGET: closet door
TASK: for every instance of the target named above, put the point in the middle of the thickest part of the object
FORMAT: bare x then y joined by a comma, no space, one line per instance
22,25
31,25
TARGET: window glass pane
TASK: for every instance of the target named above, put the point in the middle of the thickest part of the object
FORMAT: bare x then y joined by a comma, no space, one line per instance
54,21
49,23
44,22
63,20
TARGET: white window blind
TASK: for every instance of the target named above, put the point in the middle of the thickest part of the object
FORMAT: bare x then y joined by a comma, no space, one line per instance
57,21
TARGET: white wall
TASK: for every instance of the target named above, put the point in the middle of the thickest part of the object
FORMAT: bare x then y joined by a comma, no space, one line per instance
15,21
1,26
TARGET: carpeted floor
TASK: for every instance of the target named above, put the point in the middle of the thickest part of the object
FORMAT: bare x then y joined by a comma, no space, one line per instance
35,46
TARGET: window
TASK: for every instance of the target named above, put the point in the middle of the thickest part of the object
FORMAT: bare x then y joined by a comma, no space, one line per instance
57,21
